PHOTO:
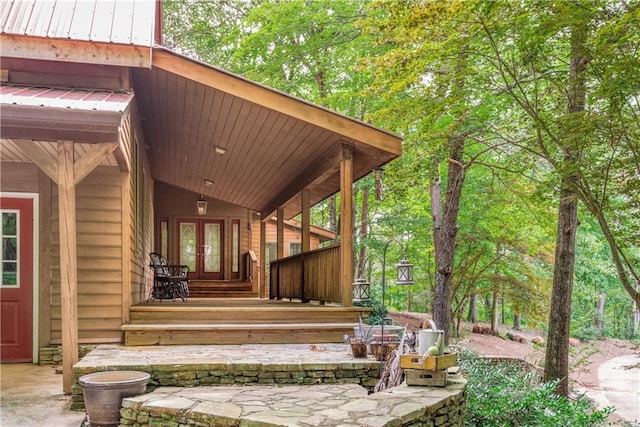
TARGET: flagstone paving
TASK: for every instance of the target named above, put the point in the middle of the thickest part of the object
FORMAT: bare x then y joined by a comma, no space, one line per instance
321,405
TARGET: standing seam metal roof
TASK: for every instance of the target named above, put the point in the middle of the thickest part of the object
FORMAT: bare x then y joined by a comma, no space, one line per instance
127,22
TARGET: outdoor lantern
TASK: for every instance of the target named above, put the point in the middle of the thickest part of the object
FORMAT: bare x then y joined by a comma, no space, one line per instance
361,290
202,206
405,273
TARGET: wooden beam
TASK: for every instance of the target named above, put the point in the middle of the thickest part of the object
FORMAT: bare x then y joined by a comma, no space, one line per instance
306,221
67,50
91,159
274,100
346,230
321,170
68,262
38,155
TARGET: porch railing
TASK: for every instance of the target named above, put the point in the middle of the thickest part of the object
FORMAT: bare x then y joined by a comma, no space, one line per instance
309,276
251,266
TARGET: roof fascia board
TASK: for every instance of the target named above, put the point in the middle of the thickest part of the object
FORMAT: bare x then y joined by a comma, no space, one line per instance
275,100
80,51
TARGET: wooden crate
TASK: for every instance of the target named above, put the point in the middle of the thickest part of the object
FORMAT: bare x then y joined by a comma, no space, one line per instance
426,378
428,363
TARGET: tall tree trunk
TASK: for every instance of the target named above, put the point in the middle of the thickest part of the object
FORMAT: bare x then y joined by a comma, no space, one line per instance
445,227
333,215
557,353
473,309
364,232
599,320
516,322
494,312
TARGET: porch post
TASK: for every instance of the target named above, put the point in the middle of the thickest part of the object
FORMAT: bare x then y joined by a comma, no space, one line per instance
346,221
68,262
280,233
279,244
306,221
263,261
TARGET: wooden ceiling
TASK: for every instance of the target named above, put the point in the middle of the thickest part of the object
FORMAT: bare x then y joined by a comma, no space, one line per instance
226,137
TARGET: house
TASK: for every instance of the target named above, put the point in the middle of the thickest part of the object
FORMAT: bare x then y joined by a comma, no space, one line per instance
109,142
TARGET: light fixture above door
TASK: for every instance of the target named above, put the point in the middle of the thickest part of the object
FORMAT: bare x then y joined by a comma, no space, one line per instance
201,205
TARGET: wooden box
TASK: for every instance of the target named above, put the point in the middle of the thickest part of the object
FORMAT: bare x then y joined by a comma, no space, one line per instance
428,363
426,378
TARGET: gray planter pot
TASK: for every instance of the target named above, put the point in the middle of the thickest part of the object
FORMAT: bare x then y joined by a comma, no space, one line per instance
103,393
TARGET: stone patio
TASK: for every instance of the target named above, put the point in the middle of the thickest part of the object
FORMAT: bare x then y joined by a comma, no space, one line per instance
268,385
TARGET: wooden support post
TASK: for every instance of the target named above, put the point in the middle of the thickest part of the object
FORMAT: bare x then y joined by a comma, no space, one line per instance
279,243
264,289
306,221
68,262
346,221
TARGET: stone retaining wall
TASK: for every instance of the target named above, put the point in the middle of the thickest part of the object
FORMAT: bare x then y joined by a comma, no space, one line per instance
322,405
363,374
52,355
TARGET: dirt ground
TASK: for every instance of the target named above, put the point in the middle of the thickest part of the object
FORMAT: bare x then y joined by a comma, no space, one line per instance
584,358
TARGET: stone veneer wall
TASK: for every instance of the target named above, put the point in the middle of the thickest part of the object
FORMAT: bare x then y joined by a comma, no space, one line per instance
407,406
52,355
194,375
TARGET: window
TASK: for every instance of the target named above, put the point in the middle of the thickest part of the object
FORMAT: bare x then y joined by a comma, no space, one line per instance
295,248
10,221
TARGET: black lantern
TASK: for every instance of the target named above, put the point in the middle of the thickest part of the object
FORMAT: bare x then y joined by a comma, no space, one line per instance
361,290
405,272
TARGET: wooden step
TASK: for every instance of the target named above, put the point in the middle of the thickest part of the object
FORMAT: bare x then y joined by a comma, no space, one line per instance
184,313
218,289
251,333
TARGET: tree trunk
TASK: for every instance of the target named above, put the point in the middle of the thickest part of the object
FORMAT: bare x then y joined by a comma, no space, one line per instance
333,215
445,227
364,233
494,312
516,322
600,314
557,353
473,309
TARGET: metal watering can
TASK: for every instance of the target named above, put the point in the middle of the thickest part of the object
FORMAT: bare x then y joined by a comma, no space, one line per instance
430,336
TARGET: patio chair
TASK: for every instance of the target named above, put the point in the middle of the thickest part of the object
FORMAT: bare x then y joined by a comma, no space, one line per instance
169,281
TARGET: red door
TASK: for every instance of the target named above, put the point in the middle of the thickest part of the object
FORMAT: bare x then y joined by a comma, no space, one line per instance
16,288
201,247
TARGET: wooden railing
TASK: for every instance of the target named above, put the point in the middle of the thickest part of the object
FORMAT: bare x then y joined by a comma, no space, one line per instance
251,266
309,276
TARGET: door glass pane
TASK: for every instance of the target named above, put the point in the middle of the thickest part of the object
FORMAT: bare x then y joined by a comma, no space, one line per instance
188,244
212,248
10,248
164,239
235,247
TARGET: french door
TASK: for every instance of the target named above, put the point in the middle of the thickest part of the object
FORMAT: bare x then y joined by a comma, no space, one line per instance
201,247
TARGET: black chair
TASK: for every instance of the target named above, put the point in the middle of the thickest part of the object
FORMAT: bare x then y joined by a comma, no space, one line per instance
169,281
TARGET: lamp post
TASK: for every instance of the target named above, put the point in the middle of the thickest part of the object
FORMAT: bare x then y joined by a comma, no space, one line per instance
404,273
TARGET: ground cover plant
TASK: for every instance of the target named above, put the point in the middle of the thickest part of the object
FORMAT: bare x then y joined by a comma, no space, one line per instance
504,395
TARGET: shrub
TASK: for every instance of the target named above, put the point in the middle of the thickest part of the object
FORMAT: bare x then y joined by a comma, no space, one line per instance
501,395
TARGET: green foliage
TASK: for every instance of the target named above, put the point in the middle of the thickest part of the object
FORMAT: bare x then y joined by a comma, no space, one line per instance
378,313
500,395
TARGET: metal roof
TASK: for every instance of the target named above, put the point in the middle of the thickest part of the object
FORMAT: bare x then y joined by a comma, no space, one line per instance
127,22
86,100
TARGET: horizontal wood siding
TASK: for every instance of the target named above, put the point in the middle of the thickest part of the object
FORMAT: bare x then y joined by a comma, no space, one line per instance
138,193
99,239
319,282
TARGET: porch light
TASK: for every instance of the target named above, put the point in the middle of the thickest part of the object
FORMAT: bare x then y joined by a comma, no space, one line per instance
361,290
405,272
201,204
